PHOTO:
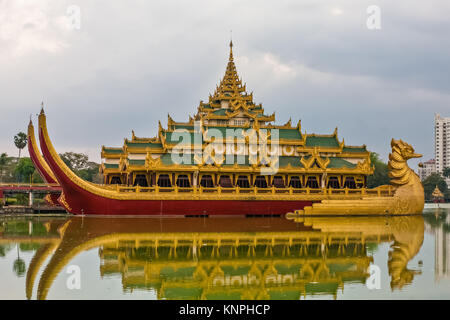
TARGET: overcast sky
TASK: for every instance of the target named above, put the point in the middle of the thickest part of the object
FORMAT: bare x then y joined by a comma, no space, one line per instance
131,62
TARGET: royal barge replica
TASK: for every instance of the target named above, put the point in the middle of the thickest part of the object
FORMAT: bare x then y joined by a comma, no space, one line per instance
231,159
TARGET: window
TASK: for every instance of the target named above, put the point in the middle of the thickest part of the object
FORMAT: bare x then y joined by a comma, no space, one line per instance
141,180
242,182
278,182
225,182
350,183
206,182
183,181
295,182
164,181
260,182
333,182
115,180
312,182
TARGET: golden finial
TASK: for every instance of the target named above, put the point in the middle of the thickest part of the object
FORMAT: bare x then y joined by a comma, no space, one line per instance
42,107
231,50
231,38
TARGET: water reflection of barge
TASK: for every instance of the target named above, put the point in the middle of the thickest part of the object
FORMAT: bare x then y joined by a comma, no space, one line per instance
232,258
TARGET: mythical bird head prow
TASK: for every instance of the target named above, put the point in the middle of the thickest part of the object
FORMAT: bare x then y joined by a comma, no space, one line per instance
404,149
399,171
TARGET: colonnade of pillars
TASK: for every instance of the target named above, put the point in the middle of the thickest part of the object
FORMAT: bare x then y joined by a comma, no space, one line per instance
236,180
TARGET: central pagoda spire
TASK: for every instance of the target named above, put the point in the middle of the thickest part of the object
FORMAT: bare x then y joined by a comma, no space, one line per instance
230,87
230,96
231,51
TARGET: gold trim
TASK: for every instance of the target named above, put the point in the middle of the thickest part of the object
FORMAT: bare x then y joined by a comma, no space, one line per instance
39,157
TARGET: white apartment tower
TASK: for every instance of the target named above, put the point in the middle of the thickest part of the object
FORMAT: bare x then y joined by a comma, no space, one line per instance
426,169
441,142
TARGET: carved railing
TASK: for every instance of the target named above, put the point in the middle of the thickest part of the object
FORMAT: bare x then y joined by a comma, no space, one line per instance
383,191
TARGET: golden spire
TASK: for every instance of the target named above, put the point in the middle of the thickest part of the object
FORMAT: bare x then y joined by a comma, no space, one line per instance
230,94
231,51
437,193
230,87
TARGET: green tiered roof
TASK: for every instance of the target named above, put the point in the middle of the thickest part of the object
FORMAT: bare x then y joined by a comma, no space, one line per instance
232,107
318,141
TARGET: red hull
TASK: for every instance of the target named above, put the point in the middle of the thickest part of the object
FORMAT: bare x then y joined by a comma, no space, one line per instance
89,204
36,159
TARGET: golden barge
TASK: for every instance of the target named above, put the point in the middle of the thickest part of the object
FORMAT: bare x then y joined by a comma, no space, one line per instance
231,159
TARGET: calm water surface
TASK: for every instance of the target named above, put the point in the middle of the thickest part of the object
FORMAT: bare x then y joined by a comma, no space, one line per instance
225,258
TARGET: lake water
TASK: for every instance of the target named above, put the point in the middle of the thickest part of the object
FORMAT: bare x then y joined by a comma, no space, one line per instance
226,258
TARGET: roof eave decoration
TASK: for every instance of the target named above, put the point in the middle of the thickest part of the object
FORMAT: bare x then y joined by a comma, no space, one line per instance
160,128
170,121
315,158
151,163
288,124
341,144
304,136
122,164
365,166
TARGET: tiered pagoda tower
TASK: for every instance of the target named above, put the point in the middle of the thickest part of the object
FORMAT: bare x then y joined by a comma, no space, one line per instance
303,160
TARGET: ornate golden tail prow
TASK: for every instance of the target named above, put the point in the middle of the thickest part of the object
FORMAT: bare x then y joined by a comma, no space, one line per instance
407,198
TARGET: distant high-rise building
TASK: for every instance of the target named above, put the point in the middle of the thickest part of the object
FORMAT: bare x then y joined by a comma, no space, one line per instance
427,168
442,143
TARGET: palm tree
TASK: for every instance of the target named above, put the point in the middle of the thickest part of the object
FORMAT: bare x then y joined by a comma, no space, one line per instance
19,267
20,140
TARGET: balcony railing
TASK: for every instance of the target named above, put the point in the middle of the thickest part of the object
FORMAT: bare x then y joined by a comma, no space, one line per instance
383,191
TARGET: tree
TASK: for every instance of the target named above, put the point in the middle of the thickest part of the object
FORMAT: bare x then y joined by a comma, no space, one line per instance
446,172
3,162
20,140
4,249
75,161
380,175
89,172
79,163
430,183
37,177
24,169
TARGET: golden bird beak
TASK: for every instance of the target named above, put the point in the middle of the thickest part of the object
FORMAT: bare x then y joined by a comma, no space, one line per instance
416,155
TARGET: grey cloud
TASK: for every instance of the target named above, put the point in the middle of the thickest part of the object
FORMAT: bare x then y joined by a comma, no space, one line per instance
133,62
